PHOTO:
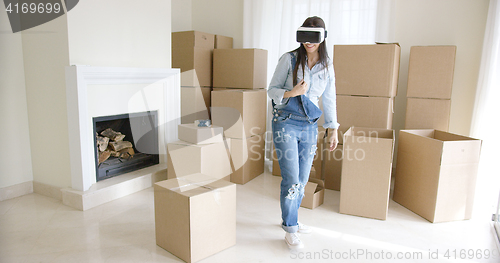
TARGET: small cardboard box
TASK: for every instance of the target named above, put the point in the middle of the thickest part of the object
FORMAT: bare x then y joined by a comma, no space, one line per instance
185,158
195,104
436,174
428,114
366,172
223,42
240,68
247,158
195,216
333,168
367,70
360,111
192,52
200,135
314,193
242,113
430,71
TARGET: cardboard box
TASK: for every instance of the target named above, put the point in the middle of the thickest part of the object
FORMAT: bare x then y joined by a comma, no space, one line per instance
430,71
332,163
247,158
195,64
185,158
366,172
367,70
240,68
195,216
428,114
314,193
195,104
436,174
190,39
242,113
359,111
192,52
223,42
200,135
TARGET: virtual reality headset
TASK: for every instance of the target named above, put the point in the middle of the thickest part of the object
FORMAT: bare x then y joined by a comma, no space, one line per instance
313,35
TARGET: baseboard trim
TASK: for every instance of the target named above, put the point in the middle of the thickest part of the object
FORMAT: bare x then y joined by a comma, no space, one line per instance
114,188
17,190
47,190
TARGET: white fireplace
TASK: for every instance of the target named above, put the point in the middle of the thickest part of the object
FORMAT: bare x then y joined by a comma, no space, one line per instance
102,91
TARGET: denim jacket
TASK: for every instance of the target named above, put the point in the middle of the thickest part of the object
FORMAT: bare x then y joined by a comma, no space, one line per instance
321,83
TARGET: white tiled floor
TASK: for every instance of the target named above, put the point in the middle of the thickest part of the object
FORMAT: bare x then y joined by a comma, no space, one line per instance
34,228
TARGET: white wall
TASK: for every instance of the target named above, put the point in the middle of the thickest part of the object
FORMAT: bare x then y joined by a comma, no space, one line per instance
220,17
123,33
444,22
182,15
45,49
97,33
15,156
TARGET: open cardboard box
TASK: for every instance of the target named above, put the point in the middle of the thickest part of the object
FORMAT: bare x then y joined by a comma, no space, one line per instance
314,192
436,174
366,172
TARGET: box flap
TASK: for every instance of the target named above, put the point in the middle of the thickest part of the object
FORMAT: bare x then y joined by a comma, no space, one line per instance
310,188
320,183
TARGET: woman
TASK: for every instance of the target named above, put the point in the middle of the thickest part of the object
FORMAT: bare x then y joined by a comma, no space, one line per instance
300,78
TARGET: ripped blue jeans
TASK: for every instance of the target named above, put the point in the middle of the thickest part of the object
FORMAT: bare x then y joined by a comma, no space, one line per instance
295,141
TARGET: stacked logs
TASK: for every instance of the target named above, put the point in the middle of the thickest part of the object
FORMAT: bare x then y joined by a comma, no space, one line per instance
110,143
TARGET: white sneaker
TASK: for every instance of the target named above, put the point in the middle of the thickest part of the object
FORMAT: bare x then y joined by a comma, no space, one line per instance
293,241
303,229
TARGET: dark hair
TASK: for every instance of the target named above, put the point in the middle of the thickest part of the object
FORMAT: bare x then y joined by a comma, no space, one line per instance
313,21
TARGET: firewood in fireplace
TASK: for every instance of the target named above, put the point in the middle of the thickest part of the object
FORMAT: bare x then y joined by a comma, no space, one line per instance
103,156
117,146
113,135
128,152
102,143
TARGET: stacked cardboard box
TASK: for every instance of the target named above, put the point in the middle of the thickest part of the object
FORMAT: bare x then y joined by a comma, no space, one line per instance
239,106
242,114
240,68
199,150
366,79
436,174
430,80
366,172
192,52
195,216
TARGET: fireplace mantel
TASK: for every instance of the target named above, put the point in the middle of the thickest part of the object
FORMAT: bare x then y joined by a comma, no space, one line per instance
79,79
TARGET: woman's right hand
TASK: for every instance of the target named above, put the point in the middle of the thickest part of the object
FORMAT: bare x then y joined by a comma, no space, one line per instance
299,89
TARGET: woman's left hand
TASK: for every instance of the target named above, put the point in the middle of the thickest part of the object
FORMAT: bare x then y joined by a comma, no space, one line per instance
332,139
